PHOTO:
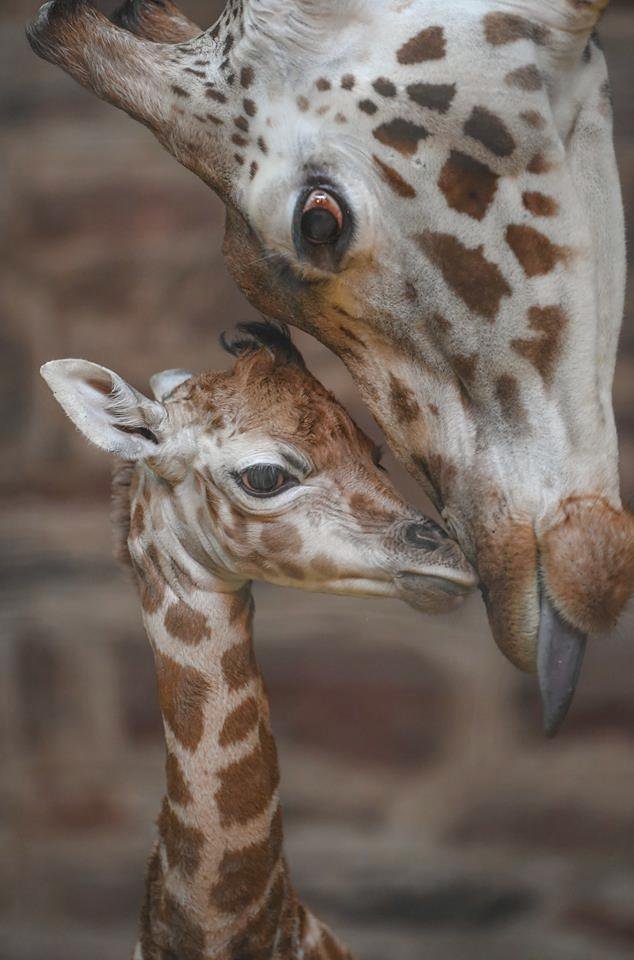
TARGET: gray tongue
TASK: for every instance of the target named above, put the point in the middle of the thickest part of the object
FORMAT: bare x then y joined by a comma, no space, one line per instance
560,652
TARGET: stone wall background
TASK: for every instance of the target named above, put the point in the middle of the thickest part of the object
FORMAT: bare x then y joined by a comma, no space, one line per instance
425,814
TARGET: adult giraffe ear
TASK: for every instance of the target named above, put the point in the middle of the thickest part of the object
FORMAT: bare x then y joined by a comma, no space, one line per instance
118,67
134,73
107,410
157,20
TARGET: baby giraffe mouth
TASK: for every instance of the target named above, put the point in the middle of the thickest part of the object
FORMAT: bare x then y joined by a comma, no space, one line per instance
433,592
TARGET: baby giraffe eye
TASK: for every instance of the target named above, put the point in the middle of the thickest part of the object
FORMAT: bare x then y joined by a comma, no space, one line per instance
266,480
322,218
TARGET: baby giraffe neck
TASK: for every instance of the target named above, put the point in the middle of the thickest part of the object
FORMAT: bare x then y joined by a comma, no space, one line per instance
217,885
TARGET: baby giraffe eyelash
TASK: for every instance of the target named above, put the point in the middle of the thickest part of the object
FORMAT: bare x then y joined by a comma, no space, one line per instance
265,480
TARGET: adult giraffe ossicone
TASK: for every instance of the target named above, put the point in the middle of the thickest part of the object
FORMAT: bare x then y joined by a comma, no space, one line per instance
430,188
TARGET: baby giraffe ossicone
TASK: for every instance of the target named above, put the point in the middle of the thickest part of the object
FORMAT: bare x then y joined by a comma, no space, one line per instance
254,473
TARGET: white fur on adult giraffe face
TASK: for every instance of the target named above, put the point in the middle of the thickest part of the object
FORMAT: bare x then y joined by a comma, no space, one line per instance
332,522
478,294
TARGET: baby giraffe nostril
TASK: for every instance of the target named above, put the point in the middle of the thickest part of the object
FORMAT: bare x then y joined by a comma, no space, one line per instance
424,536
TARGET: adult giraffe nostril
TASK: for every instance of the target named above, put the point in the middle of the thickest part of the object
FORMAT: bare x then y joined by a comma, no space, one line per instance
423,536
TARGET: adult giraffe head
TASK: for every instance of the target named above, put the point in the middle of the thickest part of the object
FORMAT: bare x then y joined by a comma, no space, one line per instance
429,187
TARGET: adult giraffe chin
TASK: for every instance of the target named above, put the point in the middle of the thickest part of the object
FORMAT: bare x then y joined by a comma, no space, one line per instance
429,187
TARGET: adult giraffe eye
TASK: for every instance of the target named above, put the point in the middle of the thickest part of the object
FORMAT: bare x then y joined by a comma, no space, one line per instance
266,480
322,218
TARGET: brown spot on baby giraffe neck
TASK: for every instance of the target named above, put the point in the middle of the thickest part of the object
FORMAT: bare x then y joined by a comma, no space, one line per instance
239,666
177,789
261,938
151,581
401,135
183,693
394,180
537,254
490,130
429,44
186,624
239,723
468,185
183,844
185,936
544,350
245,873
470,275
248,785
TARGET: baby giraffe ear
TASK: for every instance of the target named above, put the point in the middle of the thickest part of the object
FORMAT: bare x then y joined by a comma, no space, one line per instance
106,409
164,383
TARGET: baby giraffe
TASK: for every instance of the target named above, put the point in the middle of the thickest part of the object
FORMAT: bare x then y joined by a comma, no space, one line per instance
255,473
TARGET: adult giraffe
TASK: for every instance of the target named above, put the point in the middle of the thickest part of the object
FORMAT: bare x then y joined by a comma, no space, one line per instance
429,187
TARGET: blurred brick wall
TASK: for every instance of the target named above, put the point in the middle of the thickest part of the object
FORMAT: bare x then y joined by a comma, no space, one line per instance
424,811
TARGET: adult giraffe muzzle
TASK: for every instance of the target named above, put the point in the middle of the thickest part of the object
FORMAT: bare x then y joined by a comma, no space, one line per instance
430,188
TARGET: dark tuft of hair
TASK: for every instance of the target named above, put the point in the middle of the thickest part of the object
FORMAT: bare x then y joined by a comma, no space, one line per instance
257,334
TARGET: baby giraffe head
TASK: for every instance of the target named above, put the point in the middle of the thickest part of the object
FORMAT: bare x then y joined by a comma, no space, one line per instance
258,473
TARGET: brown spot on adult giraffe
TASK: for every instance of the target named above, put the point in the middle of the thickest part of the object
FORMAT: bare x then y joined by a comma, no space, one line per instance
433,96
402,135
429,44
397,183
473,278
503,28
537,254
468,185
403,401
490,130
540,204
543,351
